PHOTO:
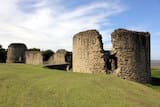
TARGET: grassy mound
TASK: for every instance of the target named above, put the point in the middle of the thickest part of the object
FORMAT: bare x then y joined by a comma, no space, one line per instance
33,86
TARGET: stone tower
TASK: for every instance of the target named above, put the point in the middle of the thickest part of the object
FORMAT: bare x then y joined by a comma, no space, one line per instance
16,53
132,55
88,53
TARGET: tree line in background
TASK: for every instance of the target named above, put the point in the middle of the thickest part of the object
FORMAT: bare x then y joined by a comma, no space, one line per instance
3,54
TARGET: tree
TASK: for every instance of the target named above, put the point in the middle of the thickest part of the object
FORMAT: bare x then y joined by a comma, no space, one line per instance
3,55
47,54
33,49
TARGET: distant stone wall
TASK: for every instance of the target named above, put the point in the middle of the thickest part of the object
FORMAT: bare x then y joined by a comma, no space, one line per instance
16,53
34,57
132,55
61,57
51,59
88,53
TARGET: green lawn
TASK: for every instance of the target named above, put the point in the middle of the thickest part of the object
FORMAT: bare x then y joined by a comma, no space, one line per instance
34,86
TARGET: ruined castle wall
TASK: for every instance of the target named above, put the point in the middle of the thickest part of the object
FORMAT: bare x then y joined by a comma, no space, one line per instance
88,53
51,60
34,57
132,52
16,53
61,57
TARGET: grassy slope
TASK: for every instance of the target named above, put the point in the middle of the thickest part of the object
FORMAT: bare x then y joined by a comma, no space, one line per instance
31,86
155,78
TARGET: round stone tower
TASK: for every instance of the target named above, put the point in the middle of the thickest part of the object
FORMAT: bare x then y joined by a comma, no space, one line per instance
132,54
16,53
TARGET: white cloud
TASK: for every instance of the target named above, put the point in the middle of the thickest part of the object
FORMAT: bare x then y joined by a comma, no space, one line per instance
52,25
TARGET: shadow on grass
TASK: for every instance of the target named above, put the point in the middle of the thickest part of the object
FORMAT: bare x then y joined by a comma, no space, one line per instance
155,81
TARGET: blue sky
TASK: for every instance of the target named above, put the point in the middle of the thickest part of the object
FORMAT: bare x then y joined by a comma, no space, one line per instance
51,24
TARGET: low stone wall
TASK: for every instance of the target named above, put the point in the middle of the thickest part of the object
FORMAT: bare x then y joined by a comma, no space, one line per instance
61,57
34,57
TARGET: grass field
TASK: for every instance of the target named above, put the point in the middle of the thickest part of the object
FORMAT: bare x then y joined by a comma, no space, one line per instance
155,78
34,86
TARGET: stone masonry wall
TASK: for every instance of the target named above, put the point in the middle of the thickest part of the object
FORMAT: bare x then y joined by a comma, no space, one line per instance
60,57
51,59
132,51
34,57
88,53
16,53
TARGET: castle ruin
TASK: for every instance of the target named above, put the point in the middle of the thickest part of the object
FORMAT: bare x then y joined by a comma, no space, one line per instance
88,53
62,60
16,53
61,57
128,59
34,57
132,53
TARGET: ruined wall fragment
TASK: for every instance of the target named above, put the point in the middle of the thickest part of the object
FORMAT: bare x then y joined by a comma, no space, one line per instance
132,53
34,57
88,53
61,57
